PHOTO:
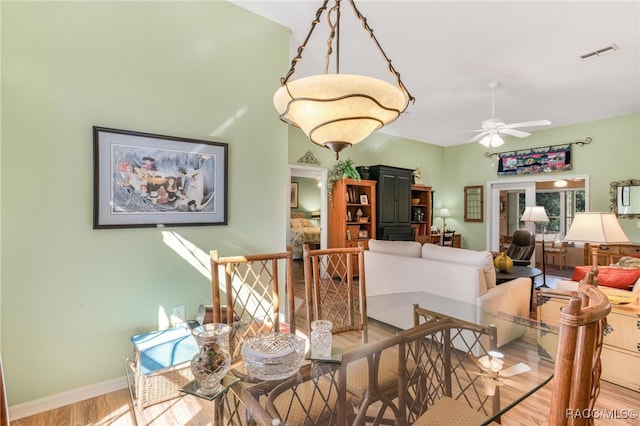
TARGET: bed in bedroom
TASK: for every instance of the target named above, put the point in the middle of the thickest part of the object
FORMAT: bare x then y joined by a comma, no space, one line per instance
303,231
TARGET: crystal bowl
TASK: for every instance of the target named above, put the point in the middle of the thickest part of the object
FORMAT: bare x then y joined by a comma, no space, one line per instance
273,356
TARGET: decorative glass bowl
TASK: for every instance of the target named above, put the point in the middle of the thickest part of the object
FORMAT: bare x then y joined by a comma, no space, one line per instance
273,356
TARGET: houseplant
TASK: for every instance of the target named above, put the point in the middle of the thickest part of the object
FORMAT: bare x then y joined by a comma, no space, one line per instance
342,169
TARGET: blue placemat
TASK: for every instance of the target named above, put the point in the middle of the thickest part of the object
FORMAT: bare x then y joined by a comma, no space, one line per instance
164,348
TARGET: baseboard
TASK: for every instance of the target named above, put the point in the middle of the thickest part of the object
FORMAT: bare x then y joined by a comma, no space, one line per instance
72,396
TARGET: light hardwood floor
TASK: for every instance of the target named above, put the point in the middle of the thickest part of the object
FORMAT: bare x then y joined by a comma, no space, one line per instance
116,408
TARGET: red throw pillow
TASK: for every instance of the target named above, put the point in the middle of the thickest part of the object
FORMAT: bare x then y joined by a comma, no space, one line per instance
610,277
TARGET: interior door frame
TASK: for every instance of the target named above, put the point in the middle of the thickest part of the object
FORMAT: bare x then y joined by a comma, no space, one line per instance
529,186
296,170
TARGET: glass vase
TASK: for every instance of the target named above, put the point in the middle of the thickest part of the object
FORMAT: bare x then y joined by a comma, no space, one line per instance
321,339
212,361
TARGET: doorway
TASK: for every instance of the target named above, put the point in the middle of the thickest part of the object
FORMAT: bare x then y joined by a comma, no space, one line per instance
319,175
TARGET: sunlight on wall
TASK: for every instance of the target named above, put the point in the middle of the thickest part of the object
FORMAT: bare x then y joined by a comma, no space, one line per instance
194,256
228,122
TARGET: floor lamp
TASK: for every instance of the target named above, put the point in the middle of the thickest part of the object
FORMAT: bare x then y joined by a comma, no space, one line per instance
596,228
538,214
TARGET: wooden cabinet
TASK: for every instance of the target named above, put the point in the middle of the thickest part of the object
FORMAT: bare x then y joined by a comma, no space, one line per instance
610,253
421,210
621,350
352,212
393,200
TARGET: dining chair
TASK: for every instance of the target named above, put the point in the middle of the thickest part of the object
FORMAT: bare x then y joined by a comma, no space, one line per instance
445,386
447,238
246,294
576,382
557,252
332,293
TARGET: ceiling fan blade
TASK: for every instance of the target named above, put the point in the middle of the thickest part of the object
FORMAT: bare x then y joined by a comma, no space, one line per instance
478,136
513,132
528,124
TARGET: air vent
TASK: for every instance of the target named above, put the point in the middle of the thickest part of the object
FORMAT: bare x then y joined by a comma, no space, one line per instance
600,52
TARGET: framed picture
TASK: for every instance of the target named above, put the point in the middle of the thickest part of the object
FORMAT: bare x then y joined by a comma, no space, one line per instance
364,199
146,180
363,233
294,195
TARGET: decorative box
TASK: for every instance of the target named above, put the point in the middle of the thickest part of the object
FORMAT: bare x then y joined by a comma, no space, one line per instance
161,364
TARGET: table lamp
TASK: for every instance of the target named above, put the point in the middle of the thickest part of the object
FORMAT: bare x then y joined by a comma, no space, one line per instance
444,214
538,214
596,228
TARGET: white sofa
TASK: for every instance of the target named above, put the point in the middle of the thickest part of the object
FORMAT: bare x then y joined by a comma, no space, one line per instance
394,267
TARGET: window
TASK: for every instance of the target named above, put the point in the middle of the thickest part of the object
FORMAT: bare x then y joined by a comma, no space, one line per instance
560,205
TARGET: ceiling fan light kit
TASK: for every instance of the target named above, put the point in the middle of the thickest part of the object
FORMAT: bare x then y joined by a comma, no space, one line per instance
492,128
337,110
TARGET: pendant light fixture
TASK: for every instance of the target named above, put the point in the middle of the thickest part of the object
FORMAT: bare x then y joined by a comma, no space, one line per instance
339,110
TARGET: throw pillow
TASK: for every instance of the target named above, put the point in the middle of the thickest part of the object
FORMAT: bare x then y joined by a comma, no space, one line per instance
481,259
610,277
398,248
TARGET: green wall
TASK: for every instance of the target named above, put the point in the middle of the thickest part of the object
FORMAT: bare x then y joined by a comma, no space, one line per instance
72,296
613,155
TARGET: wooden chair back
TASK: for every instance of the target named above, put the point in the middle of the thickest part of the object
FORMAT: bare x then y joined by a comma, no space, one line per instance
576,382
331,293
447,238
246,294
427,367
4,405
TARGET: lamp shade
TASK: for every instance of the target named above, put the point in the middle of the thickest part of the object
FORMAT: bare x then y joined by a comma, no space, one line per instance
491,140
444,213
596,227
534,214
339,110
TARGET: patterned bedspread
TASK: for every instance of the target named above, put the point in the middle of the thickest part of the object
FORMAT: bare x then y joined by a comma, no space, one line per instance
301,236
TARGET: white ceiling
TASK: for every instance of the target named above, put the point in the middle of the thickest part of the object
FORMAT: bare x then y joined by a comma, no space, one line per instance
448,52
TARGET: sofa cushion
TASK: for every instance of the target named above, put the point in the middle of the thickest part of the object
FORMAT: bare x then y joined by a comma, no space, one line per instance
482,259
399,248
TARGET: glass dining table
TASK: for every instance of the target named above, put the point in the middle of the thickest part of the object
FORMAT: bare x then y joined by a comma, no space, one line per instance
289,401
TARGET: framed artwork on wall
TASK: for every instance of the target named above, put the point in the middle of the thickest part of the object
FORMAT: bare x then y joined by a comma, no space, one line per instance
294,195
147,180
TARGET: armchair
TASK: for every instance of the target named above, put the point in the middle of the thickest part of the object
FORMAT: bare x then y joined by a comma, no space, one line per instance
522,247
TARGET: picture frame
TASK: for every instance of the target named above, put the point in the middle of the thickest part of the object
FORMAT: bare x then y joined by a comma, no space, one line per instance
364,199
294,195
363,233
149,180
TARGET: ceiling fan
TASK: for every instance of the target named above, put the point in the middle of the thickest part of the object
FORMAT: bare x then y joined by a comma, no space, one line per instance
491,130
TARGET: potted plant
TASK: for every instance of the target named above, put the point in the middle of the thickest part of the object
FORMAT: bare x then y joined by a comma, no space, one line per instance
342,169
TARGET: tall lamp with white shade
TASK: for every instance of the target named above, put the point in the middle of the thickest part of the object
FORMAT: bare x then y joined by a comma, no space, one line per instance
596,228
538,214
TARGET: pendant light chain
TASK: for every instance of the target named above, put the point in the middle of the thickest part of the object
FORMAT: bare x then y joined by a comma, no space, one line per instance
392,70
301,48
